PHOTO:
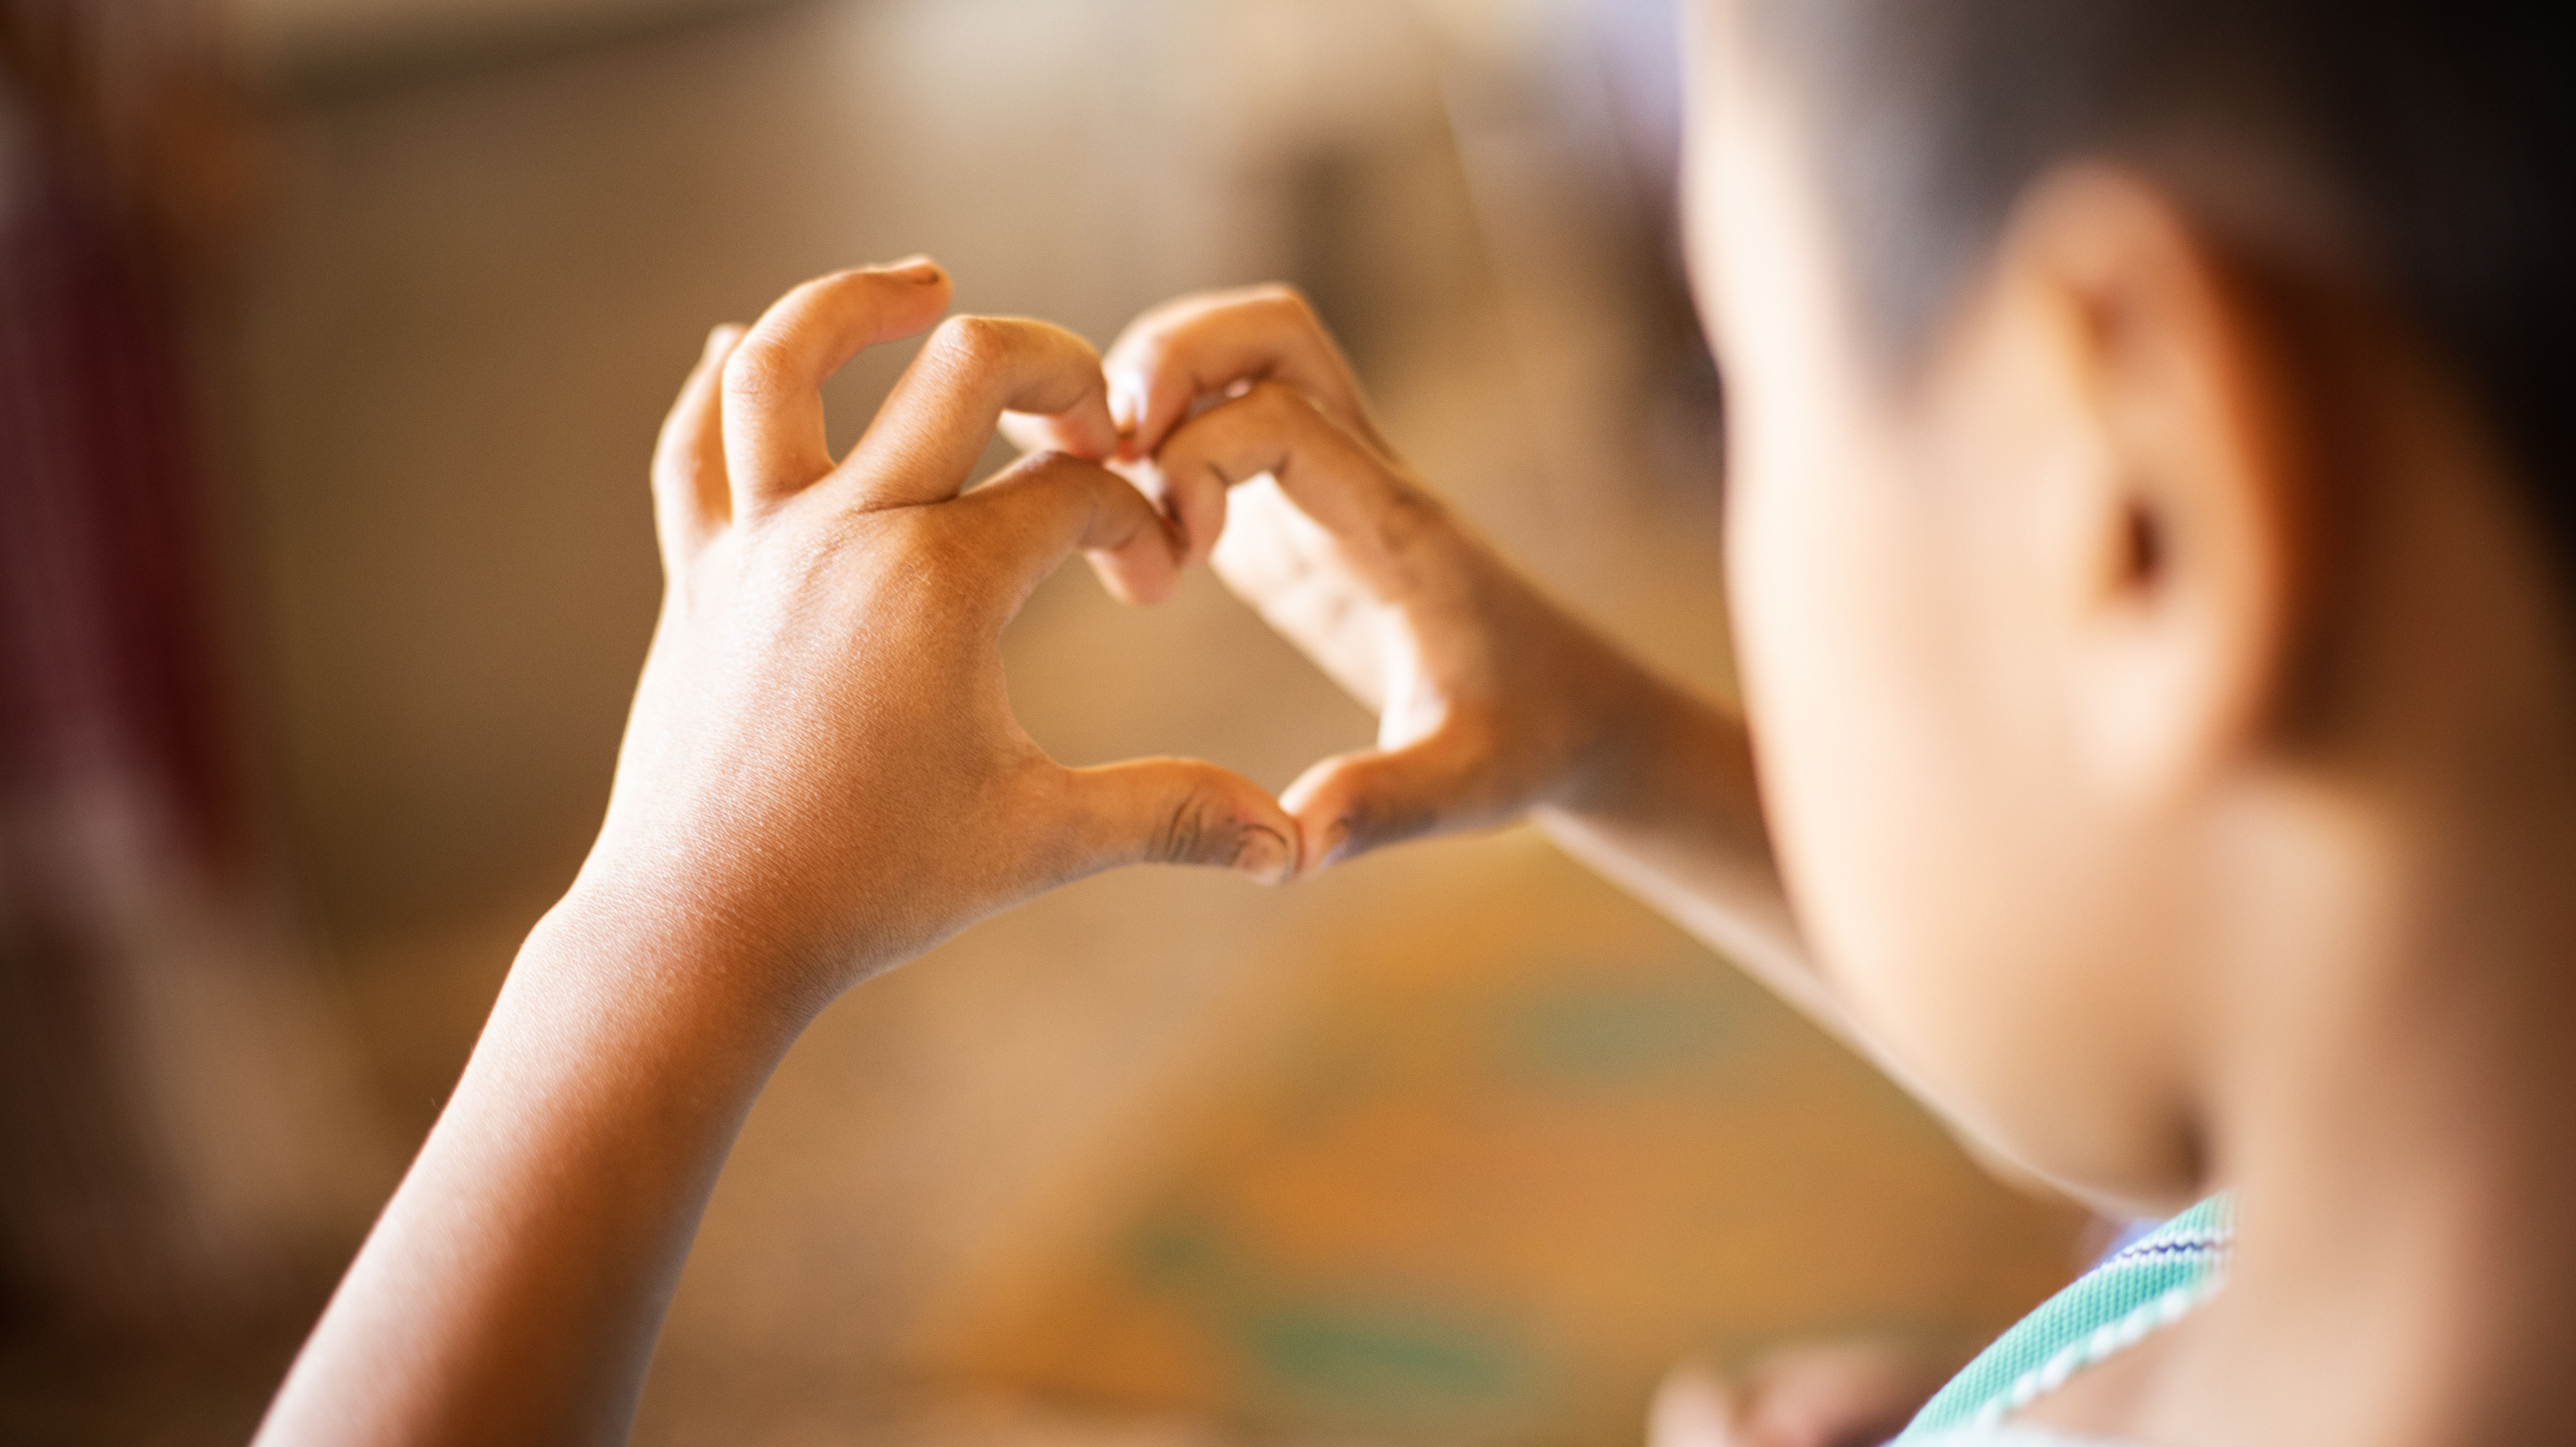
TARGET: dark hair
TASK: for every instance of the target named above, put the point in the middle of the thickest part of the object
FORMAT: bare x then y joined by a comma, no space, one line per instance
2431,145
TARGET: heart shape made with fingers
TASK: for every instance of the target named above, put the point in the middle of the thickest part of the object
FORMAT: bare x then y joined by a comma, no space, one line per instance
1240,419
822,749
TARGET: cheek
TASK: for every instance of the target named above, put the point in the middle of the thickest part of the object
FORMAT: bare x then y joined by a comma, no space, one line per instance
1896,839
1945,899
1889,857
1884,640
1839,637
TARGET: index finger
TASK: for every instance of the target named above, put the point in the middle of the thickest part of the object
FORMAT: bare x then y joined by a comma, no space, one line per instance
1049,506
774,444
944,409
1209,343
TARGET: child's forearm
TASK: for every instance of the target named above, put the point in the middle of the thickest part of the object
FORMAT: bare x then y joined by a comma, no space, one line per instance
1670,811
513,1290
1674,817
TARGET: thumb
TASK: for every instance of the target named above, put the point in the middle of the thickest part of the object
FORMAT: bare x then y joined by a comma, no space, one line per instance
1183,811
1352,803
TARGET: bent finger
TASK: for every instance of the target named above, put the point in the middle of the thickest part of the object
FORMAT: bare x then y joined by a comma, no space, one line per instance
773,402
930,431
690,498
1049,505
1341,484
1207,344
1033,433
1038,432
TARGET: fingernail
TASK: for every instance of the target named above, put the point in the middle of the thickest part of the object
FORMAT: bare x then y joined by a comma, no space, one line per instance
916,267
1123,408
717,339
1262,855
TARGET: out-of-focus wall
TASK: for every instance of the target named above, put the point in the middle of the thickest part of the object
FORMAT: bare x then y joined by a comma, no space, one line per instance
336,37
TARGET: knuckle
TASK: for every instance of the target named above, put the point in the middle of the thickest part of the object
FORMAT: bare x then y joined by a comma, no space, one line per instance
1187,828
1286,300
758,369
972,342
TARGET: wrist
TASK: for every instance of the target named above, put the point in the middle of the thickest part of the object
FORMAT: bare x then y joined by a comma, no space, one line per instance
1655,746
683,974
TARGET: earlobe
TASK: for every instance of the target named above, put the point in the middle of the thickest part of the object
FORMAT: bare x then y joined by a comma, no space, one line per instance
2191,523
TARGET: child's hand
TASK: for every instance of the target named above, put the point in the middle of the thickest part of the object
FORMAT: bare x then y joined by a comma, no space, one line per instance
1490,699
1812,1394
822,765
821,777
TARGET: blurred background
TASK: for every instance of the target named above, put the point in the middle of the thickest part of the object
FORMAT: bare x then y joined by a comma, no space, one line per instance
333,338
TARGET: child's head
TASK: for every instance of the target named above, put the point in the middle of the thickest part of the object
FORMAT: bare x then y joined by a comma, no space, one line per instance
2147,463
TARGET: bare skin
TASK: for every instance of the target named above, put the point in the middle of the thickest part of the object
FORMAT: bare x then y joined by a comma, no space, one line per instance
2167,723
2235,859
821,778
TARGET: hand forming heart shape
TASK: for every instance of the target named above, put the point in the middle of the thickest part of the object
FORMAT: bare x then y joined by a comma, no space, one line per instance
1240,416
821,777
822,773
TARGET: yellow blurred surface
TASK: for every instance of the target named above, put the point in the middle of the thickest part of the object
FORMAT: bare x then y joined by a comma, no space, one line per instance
1486,1150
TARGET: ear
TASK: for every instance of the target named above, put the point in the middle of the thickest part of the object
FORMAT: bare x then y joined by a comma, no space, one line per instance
2177,538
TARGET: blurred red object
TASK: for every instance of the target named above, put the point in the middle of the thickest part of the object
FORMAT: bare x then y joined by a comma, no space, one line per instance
138,964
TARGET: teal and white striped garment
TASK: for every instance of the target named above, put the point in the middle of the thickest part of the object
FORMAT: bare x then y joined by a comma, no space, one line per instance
2150,1284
